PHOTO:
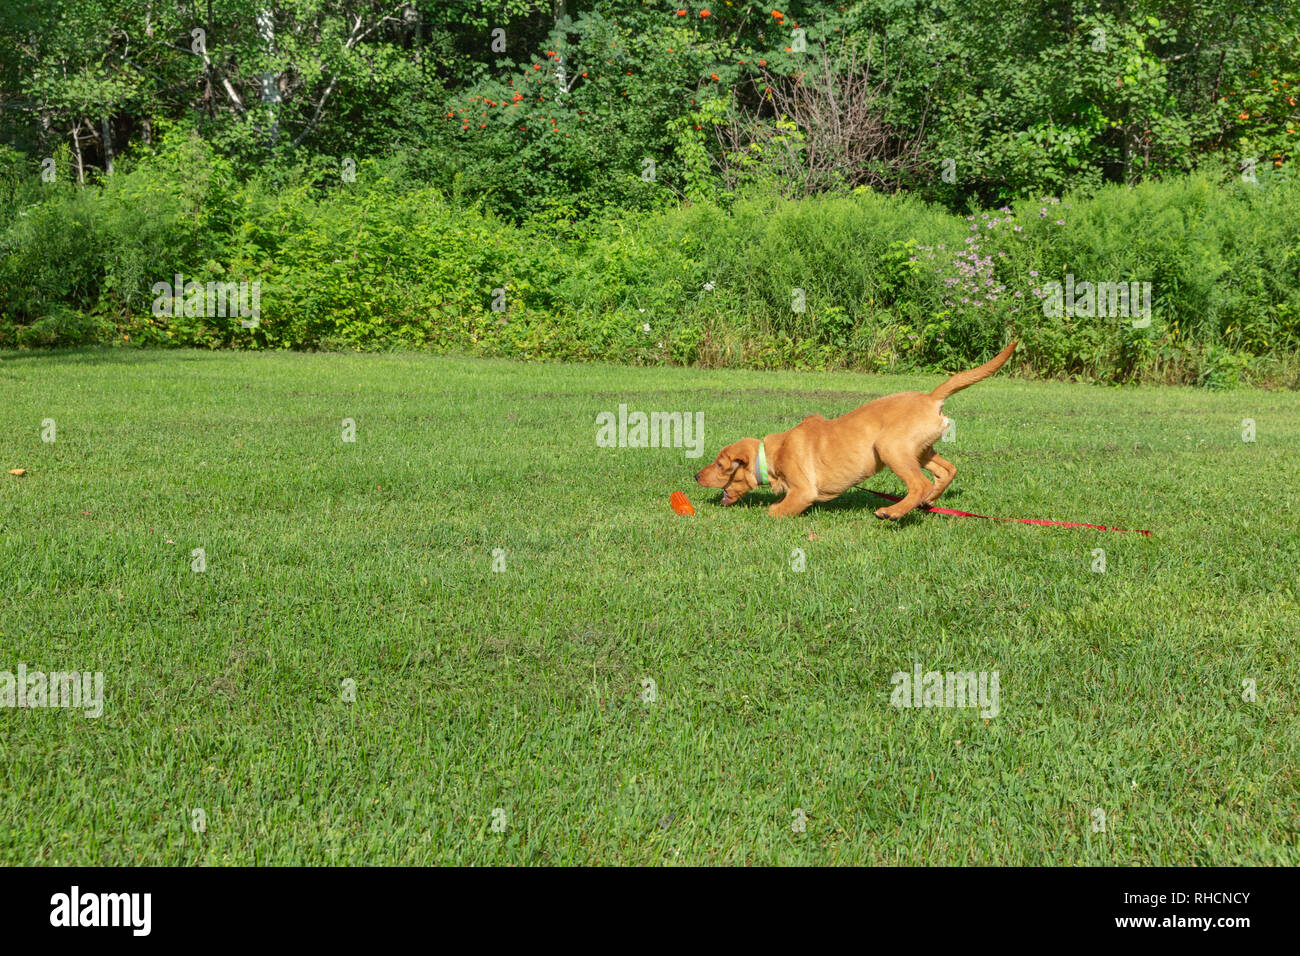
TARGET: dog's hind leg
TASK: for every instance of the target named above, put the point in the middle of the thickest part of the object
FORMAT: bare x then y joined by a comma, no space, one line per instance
905,464
943,470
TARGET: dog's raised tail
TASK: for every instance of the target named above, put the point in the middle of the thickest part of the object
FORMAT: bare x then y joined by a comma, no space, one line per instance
967,379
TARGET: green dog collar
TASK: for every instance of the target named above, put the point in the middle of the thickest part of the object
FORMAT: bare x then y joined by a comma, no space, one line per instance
760,466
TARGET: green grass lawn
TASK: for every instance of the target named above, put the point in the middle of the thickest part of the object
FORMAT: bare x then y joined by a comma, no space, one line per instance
527,689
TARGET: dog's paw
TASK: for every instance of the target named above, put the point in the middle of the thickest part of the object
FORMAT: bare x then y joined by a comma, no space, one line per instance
884,513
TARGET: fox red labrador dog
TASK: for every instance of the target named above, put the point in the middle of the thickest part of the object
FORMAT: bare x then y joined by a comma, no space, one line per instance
820,459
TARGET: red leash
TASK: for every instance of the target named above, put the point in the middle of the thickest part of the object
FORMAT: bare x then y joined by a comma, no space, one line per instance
970,514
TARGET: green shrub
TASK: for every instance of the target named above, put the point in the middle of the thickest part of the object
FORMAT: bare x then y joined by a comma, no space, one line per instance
865,280
51,258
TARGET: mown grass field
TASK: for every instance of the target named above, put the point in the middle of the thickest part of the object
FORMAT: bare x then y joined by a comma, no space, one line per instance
524,689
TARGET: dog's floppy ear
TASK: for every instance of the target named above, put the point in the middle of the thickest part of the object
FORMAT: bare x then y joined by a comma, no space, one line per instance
744,451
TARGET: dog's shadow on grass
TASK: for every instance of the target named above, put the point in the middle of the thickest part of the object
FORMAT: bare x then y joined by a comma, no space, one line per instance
857,499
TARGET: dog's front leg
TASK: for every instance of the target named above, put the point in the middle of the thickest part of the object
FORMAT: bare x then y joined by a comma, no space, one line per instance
796,501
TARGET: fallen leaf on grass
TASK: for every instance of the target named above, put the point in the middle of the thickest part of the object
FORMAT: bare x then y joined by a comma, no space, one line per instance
18,471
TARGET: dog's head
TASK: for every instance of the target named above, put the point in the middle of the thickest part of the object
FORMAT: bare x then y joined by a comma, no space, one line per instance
732,471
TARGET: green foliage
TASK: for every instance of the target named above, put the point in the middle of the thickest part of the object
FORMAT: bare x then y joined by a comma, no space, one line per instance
368,257
603,113
51,257
537,108
1033,98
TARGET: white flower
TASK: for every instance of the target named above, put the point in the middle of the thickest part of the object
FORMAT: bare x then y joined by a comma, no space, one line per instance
646,327
708,287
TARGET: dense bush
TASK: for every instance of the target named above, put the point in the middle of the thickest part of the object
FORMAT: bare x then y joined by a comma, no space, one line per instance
554,107
887,281
865,280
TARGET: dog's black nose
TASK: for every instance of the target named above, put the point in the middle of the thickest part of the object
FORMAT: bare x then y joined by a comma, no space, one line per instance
697,476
